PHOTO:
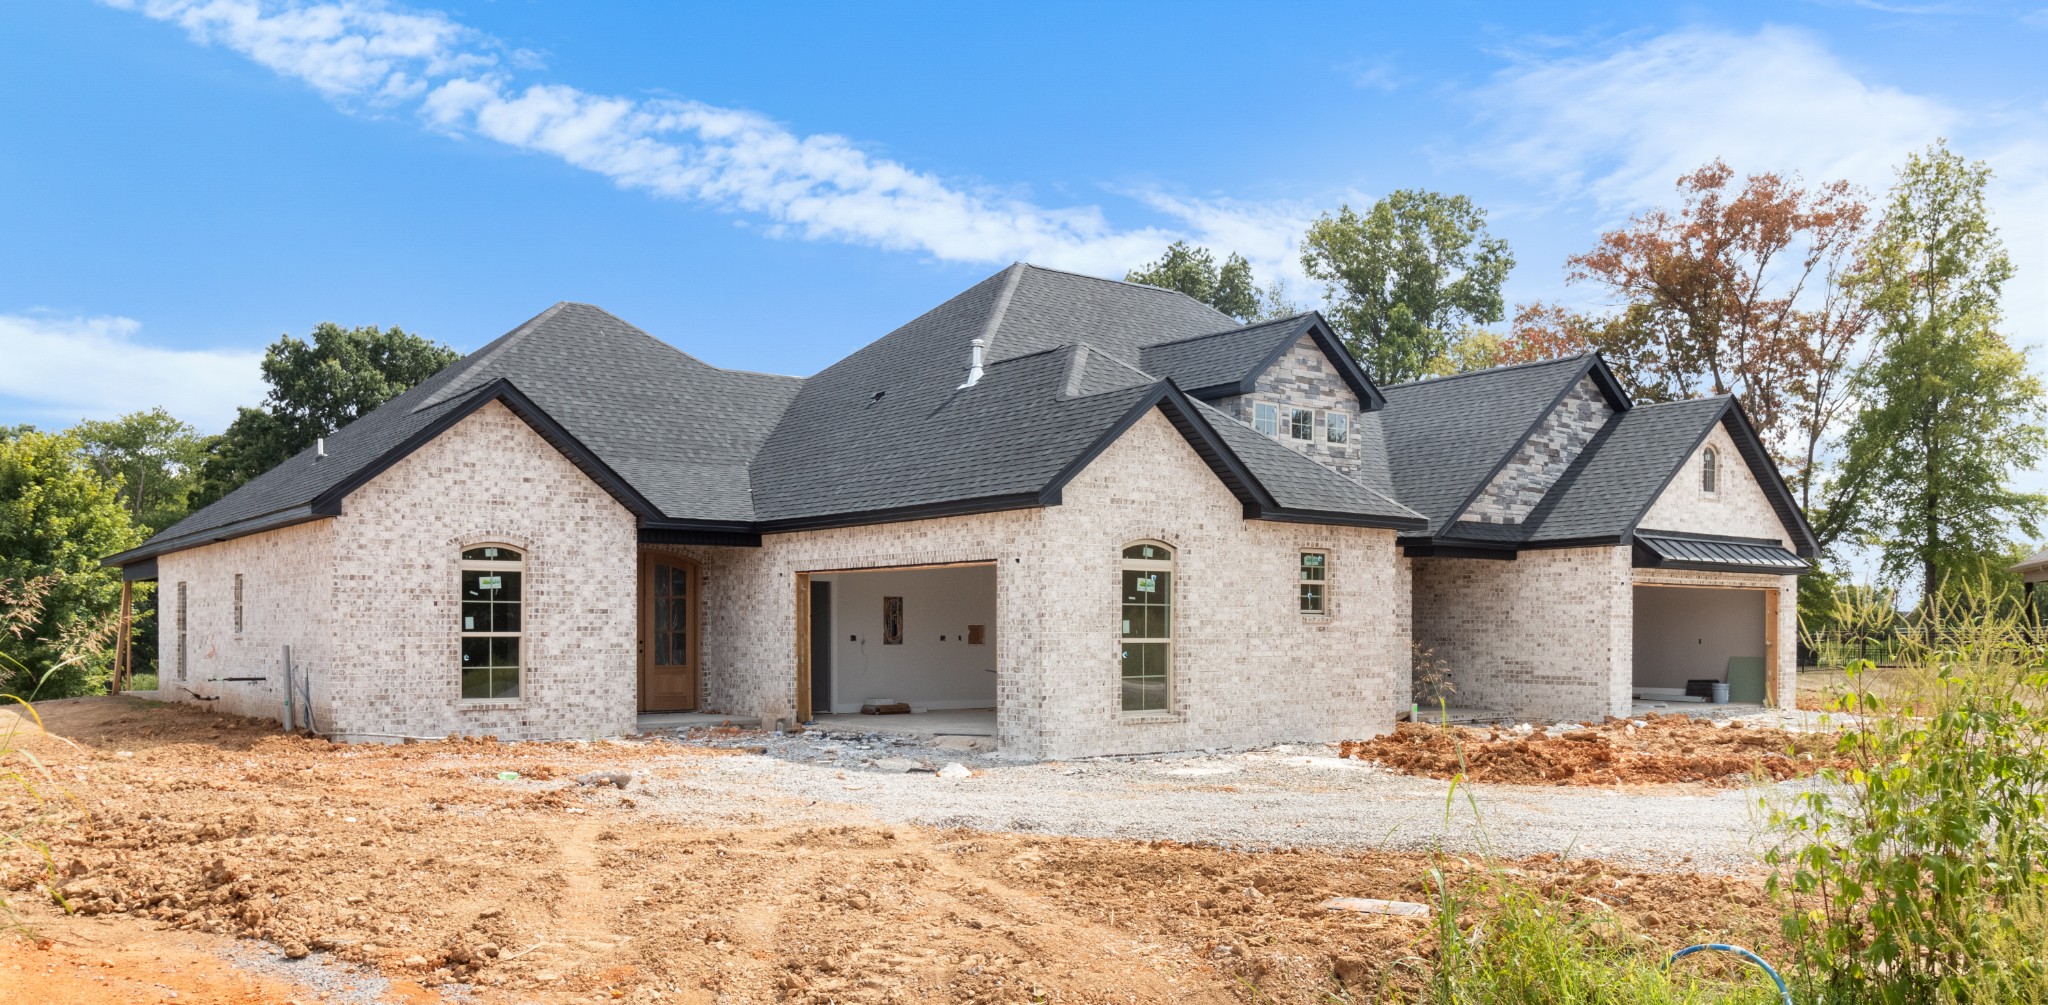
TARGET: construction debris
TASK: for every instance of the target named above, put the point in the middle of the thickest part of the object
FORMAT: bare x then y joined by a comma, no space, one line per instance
1366,905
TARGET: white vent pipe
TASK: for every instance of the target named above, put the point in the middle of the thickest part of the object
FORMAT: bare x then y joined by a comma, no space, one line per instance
979,346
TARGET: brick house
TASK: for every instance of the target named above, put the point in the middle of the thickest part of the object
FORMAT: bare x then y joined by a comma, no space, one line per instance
1113,517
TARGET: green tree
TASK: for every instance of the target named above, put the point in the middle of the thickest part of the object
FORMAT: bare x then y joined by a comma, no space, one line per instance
1193,271
1950,409
316,387
58,518
153,456
1407,277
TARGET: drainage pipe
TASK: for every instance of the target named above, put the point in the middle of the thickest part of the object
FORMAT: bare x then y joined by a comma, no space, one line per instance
1784,993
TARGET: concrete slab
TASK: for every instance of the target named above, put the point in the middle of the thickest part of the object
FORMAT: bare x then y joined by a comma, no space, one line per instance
936,722
650,721
1698,710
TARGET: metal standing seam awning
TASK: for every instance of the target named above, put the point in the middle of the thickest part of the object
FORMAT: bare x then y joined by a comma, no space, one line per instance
1716,554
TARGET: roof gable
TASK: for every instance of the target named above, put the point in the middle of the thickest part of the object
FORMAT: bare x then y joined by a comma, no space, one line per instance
1231,361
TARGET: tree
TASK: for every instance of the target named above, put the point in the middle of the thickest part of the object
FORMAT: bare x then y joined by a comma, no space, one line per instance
1950,410
1193,271
316,388
58,518
153,457
1407,278
1746,291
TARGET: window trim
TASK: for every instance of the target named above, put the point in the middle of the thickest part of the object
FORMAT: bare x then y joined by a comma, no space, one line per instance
1268,424
522,566
1301,583
1330,423
1710,472
1168,566
1294,413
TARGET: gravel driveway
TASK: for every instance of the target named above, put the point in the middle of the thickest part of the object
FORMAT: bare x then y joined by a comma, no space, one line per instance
1299,795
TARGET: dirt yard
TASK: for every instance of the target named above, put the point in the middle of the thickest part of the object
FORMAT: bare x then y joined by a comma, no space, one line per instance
1651,750
213,857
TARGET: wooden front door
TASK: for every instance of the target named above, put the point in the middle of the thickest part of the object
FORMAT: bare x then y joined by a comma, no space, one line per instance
669,613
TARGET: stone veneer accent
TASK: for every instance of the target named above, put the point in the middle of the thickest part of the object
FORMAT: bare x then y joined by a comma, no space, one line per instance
1542,459
1305,378
1249,667
369,600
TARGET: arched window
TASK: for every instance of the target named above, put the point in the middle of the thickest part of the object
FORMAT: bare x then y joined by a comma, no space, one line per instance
493,590
1147,671
1710,470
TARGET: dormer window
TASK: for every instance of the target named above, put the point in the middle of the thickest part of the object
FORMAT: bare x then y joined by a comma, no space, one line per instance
1301,423
1337,427
1710,471
1266,418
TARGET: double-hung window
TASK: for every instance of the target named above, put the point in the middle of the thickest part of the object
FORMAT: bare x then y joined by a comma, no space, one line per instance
1147,650
1301,423
1315,582
1337,427
493,592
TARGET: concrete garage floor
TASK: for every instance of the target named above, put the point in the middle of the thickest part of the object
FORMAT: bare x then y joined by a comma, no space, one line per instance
937,722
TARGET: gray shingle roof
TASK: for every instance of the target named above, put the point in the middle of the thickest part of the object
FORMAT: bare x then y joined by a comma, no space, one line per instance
880,434
1447,436
1225,358
1623,470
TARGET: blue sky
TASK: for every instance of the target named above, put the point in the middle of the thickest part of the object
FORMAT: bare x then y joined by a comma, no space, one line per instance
770,186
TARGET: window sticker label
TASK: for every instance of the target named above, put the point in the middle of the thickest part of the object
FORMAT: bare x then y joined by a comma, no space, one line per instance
1148,584
490,582
469,624
1311,560
1127,626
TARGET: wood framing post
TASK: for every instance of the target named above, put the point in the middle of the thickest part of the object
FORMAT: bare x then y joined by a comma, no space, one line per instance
803,647
1771,655
124,643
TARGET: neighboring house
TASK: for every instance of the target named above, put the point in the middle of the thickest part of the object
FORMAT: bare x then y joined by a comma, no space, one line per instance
1116,517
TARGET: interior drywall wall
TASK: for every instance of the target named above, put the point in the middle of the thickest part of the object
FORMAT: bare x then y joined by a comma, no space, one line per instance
935,667
1683,633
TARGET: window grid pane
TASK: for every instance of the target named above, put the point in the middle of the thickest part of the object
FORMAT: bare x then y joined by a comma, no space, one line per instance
1337,427
1266,419
1302,424
490,642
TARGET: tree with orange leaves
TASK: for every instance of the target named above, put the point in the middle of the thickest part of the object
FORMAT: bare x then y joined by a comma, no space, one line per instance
1746,290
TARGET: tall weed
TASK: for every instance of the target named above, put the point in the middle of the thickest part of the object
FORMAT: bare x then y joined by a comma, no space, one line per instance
1918,875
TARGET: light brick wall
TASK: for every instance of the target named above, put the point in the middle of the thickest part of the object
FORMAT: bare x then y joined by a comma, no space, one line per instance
1305,378
1249,669
490,479
1738,507
287,600
1542,459
1548,635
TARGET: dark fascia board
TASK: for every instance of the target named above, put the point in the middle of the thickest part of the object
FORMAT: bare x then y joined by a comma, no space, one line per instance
1610,385
1590,363
1428,550
678,533
139,572
1761,467
276,520
899,514
329,503
1284,515
1642,557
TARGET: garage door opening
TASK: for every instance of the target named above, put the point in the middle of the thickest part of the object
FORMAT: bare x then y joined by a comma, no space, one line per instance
918,644
1686,634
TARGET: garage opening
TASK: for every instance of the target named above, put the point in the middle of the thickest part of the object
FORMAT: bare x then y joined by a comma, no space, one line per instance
904,650
1686,637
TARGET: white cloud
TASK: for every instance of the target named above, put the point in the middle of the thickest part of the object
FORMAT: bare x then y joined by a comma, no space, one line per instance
1620,126
820,187
62,369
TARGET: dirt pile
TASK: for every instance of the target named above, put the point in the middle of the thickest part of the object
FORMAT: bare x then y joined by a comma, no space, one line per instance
1664,748
420,861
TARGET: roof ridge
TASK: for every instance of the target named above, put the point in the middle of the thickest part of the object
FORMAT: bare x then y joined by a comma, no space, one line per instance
1120,282
491,350
1433,381
1239,330
997,313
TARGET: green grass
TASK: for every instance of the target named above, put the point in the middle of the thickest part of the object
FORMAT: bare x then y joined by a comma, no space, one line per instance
142,682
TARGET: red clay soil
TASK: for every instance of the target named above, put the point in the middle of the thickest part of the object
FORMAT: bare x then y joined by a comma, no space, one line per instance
174,830
1666,748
